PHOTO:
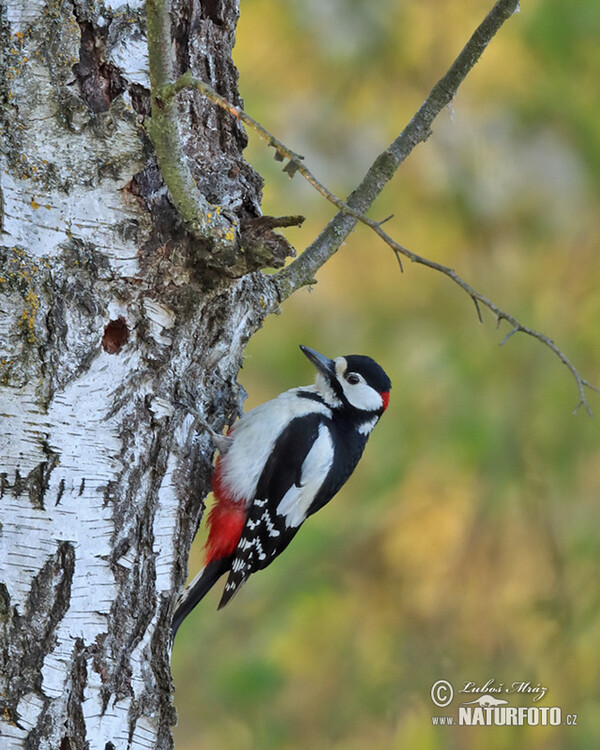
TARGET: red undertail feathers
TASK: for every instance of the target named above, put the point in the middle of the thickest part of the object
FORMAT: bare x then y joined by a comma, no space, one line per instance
225,521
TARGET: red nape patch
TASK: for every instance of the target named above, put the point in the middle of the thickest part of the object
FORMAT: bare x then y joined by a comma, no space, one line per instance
225,521
385,397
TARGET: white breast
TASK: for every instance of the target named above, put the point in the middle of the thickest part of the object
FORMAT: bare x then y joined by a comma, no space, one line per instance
254,436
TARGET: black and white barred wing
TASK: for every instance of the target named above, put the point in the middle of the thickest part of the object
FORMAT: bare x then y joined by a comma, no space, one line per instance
294,476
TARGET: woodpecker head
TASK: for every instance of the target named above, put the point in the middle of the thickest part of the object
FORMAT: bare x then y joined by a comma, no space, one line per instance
354,384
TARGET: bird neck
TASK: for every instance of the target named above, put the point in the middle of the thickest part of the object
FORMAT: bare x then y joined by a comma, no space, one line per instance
362,422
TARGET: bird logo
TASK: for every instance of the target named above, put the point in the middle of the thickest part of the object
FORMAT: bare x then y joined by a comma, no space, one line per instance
486,700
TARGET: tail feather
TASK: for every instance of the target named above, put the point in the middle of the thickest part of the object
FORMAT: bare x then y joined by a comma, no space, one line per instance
233,585
197,589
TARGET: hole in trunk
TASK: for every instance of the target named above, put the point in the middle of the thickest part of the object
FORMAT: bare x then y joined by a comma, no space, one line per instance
116,335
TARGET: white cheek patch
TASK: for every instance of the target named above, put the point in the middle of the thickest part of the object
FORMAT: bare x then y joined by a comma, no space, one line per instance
362,396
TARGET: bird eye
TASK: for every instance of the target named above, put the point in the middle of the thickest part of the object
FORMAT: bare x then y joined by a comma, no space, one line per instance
353,378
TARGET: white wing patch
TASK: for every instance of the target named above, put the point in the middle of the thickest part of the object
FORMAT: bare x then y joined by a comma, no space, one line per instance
295,503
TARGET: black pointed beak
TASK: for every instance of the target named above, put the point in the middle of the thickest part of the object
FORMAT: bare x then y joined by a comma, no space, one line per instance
322,363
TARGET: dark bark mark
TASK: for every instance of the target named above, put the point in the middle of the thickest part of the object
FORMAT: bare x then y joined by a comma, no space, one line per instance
116,335
36,482
32,633
75,723
19,484
167,229
140,99
134,607
160,647
4,603
148,184
61,491
99,81
111,492
75,313
212,10
38,478
203,36
7,703
48,601
183,21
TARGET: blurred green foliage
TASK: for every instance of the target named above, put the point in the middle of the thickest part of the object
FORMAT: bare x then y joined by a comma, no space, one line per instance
466,545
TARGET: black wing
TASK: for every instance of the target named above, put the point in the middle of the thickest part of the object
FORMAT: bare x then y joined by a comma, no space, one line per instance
296,473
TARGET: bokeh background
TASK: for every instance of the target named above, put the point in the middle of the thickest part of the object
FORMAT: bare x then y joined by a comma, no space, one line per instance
466,546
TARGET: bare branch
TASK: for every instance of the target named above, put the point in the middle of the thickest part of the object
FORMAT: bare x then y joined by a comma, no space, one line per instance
302,271
282,152
511,333
480,299
476,303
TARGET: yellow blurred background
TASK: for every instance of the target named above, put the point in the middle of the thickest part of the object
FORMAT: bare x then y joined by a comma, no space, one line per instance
466,546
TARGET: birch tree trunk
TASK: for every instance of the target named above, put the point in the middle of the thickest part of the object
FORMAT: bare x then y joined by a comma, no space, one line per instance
110,311
113,311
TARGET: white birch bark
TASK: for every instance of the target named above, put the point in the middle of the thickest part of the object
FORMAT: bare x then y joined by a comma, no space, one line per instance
109,312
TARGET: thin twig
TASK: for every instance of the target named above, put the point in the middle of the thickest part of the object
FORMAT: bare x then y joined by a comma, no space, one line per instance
517,326
509,335
187,80
301,272
476,303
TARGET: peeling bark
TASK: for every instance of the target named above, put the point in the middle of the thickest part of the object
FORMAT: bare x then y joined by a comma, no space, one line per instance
109,312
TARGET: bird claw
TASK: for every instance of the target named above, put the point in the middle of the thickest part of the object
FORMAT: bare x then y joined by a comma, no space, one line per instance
221,442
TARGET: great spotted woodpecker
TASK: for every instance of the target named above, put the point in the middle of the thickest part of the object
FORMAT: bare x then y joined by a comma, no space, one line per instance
280,463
